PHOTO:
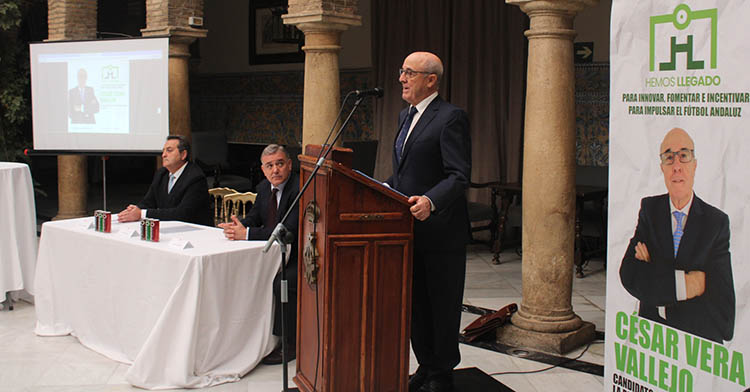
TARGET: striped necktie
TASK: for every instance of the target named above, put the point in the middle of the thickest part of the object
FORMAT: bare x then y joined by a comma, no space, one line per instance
677,236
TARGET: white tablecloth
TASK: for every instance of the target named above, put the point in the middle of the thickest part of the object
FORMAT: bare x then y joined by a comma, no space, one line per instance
17,229
183,318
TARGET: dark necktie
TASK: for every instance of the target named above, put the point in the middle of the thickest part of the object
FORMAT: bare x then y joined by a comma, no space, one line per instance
404,132
272,208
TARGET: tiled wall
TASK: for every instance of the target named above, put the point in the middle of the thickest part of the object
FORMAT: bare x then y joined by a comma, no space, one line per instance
592,114
267,107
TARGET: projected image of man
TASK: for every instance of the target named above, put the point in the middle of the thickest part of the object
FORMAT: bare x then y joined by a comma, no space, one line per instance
178,192
82,102
678,262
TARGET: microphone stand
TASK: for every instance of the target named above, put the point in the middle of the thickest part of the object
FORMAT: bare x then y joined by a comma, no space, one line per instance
282,236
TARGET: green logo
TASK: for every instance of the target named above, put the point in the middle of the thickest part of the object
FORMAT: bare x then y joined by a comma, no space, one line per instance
110,72
681,18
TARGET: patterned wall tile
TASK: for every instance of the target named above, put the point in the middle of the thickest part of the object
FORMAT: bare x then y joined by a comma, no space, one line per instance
592,114
267,107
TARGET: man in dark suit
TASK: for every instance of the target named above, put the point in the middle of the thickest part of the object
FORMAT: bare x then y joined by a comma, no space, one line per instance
678,262
432,165
82,103
178,192
275,196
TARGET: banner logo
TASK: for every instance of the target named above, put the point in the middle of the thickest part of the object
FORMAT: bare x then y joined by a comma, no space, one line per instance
681,19
111,72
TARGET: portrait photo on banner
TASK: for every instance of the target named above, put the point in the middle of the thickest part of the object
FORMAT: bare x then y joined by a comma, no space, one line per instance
678,280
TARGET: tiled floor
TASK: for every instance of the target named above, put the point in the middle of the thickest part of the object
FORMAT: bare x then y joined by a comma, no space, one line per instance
31,363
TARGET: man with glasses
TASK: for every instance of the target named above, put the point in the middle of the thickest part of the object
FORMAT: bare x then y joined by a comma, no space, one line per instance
275,196
678,263
432,164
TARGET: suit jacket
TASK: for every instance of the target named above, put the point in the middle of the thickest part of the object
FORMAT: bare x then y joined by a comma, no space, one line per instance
436,162
704,246
82,109
256,220
188,201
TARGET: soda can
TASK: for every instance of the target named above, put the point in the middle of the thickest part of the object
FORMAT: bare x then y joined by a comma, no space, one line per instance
107,221
98,220
143,229
155,230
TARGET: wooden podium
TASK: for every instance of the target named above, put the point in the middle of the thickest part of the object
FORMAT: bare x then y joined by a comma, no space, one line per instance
353,282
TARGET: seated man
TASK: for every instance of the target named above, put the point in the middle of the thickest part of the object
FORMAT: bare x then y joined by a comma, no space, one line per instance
178,192
275,196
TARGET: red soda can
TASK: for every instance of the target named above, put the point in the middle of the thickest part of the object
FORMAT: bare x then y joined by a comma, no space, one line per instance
107,221
155,230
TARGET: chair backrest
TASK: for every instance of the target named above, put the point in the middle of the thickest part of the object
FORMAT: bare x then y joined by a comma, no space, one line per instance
218,196
233,202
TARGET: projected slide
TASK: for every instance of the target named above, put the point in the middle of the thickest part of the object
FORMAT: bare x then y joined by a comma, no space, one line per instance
106,95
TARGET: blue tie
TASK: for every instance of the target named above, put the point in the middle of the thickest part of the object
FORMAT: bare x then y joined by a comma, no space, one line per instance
171,183
404,132
677,236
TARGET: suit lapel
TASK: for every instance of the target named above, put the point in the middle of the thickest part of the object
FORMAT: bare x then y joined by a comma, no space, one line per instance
426,117
688,232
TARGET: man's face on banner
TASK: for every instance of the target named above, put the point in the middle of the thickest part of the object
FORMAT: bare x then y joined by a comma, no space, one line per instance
678,165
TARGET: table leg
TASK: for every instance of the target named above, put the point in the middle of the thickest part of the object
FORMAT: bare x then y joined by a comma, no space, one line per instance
578,252
8,303
497,245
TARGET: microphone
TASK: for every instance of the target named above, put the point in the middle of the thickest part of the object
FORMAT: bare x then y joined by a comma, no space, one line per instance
377,92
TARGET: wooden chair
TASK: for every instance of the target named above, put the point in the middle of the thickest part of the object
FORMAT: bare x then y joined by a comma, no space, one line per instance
233,202
489,213
218,196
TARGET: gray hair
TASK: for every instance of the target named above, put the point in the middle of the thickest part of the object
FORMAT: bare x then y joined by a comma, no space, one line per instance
273,149
434,67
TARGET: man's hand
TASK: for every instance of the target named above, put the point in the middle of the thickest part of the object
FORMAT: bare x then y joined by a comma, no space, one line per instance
421,208
130,214
641,252
234,230
695,283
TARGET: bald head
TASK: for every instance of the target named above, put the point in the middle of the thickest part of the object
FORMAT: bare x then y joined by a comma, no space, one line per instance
678,165
677,135
423,71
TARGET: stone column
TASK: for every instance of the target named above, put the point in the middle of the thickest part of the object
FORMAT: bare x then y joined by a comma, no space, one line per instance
71,20
322,21
170,18
545,320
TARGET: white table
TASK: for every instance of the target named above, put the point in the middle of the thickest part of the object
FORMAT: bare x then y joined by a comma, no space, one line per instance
17,229
184,318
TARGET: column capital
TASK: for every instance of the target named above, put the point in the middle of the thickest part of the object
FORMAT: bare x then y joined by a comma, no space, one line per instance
534,6
551,18
322,21
179,38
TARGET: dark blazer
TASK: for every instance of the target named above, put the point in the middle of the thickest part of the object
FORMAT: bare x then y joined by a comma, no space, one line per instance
82,110
704,247
188,201
256,220
436,163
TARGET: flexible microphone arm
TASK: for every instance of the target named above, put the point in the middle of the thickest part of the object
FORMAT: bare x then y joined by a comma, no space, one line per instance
280,232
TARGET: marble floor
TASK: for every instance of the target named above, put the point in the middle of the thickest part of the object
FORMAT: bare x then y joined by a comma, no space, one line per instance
56,364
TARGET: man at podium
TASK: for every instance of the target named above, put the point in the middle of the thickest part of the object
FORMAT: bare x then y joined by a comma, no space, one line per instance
179,190
275,196
432,165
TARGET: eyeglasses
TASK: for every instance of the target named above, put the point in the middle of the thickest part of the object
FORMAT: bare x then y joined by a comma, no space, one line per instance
684,155
410,73
278,164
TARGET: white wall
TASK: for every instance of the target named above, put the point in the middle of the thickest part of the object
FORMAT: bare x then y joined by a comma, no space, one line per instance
225,49
592,25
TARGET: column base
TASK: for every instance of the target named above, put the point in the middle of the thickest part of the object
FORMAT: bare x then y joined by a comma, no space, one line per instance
558,343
